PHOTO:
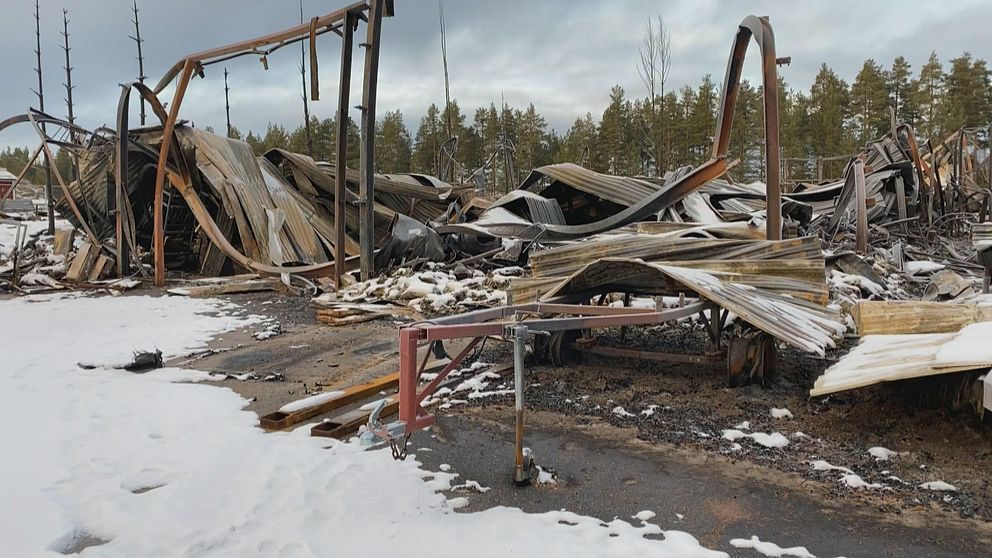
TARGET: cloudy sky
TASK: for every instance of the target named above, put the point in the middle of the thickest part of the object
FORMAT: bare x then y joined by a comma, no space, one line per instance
562,55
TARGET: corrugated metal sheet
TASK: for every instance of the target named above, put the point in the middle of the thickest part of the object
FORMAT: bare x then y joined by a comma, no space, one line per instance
622,190
802,324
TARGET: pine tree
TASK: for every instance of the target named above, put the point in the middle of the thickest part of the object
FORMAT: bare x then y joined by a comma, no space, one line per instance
702,120
392,144
900,86
828,111
531,144
928,95
747,135
966,98
869,103
579,140
427,145
617,152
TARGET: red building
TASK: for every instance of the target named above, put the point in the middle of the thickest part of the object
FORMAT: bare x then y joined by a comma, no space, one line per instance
6,182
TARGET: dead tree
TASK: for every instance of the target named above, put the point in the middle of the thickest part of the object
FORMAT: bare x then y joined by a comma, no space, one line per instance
447,171
141,59
68,85
227,104
49,200
68,67
653,68
306,103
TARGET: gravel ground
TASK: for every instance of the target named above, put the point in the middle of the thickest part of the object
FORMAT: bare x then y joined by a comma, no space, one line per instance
695,406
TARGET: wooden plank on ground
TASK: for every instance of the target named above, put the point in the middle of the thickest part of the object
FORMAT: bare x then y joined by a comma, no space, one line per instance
251,285
82,262
63,241
349,422
279,420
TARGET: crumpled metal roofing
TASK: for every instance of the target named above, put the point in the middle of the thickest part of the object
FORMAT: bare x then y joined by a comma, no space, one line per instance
621,190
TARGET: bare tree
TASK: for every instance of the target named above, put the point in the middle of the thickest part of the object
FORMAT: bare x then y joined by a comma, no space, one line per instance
306,103
69,86
141,59
68,67
227,104
655,64
49,199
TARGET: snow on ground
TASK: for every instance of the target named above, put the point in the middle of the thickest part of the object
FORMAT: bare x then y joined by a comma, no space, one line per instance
769,440
939,486
156,468
881,454
8,232
781,413
770,548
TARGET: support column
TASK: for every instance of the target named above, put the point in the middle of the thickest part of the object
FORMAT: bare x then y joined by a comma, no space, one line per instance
341,161
366,185
861,210
519,339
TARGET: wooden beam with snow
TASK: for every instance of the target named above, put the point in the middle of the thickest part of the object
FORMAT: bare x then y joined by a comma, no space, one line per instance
886,317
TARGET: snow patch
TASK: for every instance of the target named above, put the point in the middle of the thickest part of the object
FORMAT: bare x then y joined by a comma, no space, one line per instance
781,413
771,549
881,454
307,402
939,486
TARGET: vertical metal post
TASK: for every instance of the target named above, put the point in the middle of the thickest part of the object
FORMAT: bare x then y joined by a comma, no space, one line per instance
366,185
408,374
341,161
519,338
861,235
773,191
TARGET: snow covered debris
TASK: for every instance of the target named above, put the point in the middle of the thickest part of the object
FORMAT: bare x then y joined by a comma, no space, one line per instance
781,413
939,486
127,459
922,267
269,332
771,549
881,454
433,291
621,412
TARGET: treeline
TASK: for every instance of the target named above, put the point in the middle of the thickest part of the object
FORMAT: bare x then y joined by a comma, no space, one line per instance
643,136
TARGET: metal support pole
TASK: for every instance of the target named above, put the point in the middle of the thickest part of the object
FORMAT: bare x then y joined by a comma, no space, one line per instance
366,184
861,211
773,187
519,338
341,161
408,374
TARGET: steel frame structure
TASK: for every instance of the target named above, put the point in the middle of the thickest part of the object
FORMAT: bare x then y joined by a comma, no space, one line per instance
342,22
515,322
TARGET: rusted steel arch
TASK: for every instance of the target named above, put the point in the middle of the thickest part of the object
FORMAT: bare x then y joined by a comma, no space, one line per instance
761,30
265,44
194,63
179,177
